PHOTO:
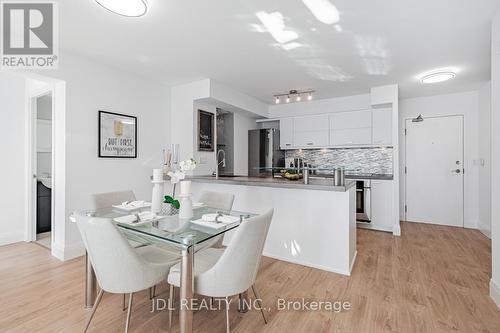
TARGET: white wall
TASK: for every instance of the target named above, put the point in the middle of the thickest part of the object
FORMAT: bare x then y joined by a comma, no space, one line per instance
91,87
484,222
495,160
205,159
330,105
185,100
466,104
12,144
242,124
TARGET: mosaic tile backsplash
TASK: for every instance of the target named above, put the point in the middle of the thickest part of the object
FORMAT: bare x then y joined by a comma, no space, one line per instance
354,160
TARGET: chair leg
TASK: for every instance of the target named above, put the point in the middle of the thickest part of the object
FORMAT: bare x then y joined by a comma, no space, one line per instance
259,300
170,307
227,314
94,308
124,306
154,291
129,311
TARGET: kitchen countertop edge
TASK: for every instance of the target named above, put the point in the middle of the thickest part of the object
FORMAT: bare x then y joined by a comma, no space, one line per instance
272,182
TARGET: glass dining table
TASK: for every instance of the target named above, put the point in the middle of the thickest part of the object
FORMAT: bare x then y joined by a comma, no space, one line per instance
181,234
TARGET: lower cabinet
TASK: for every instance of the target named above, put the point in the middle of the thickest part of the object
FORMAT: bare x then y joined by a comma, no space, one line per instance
43,208
382,203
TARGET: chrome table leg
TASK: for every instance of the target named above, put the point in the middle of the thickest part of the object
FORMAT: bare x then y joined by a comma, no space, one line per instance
186,291
90,283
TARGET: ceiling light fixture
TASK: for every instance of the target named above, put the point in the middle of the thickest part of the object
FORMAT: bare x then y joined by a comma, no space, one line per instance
295,94
323,10
129,8
437,75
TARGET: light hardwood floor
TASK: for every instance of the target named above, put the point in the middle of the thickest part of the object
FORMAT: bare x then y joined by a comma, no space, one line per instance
432,279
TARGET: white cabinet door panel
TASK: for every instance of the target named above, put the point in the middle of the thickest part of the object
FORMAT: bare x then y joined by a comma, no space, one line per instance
286,133
381,203
382,126
310,139
351,119
351,136
311,123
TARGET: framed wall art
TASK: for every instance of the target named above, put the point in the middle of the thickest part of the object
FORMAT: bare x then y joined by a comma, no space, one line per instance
117,135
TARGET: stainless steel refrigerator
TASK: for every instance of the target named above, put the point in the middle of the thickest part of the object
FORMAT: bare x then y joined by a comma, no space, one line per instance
264,152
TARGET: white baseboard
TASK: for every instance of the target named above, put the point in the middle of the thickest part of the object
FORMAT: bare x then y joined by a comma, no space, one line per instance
11,237
65,253
308,264
396,230
495,293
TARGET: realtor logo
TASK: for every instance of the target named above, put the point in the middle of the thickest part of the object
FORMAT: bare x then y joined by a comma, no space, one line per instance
30,35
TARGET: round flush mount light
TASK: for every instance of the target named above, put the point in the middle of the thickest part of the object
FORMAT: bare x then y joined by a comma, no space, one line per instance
129,8
437,76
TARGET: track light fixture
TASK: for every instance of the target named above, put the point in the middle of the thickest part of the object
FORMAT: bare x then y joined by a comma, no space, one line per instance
295,94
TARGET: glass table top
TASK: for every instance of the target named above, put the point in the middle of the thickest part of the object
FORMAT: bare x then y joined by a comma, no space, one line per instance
172,229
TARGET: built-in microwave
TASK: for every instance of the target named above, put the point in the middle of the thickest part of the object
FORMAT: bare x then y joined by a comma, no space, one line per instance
363,201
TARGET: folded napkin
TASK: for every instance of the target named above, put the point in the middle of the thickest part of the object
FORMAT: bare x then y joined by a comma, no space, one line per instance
126,219
223,218
131,204
144,216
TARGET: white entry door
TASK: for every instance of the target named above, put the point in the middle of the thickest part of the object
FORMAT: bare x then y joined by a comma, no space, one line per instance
435,171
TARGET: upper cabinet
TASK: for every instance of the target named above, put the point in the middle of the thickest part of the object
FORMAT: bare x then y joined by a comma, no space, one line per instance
286,133
351,128
341,129
382,126
310,131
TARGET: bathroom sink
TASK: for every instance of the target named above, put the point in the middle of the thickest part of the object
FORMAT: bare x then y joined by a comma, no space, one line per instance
47,182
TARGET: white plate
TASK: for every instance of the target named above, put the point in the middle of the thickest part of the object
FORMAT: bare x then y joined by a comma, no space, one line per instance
131,209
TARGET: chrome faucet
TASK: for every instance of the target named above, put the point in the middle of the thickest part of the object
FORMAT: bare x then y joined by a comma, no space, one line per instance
223,162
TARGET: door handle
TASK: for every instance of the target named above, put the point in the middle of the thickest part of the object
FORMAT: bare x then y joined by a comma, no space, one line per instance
456,171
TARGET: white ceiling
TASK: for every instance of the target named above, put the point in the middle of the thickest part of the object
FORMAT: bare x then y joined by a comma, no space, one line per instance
381,42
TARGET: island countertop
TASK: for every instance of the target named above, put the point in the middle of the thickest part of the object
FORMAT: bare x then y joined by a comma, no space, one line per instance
314,183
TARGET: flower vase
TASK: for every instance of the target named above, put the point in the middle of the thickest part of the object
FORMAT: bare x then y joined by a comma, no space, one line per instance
186,210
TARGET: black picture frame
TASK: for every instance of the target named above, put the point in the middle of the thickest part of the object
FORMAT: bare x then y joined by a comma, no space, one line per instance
103,129
206,131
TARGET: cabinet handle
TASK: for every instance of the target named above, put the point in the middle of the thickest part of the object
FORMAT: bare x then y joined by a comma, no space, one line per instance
288,144
310,143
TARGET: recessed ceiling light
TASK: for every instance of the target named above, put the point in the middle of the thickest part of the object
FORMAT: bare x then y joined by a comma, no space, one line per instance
130,8
436,77
323,10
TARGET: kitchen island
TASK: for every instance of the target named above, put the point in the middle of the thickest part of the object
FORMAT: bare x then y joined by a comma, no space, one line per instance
313,225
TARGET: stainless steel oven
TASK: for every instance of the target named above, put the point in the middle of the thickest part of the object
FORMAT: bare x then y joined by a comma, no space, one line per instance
363,201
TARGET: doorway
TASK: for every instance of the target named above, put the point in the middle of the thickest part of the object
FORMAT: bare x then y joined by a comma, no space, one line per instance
42,167
434,170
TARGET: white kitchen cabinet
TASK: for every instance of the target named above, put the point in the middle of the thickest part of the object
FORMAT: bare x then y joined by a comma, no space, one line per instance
351,128
310,131
382,126
381,204
307,139
286,133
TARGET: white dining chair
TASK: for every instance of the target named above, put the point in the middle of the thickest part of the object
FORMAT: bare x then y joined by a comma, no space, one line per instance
108,199
120,268
231,271
103,200
219,200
